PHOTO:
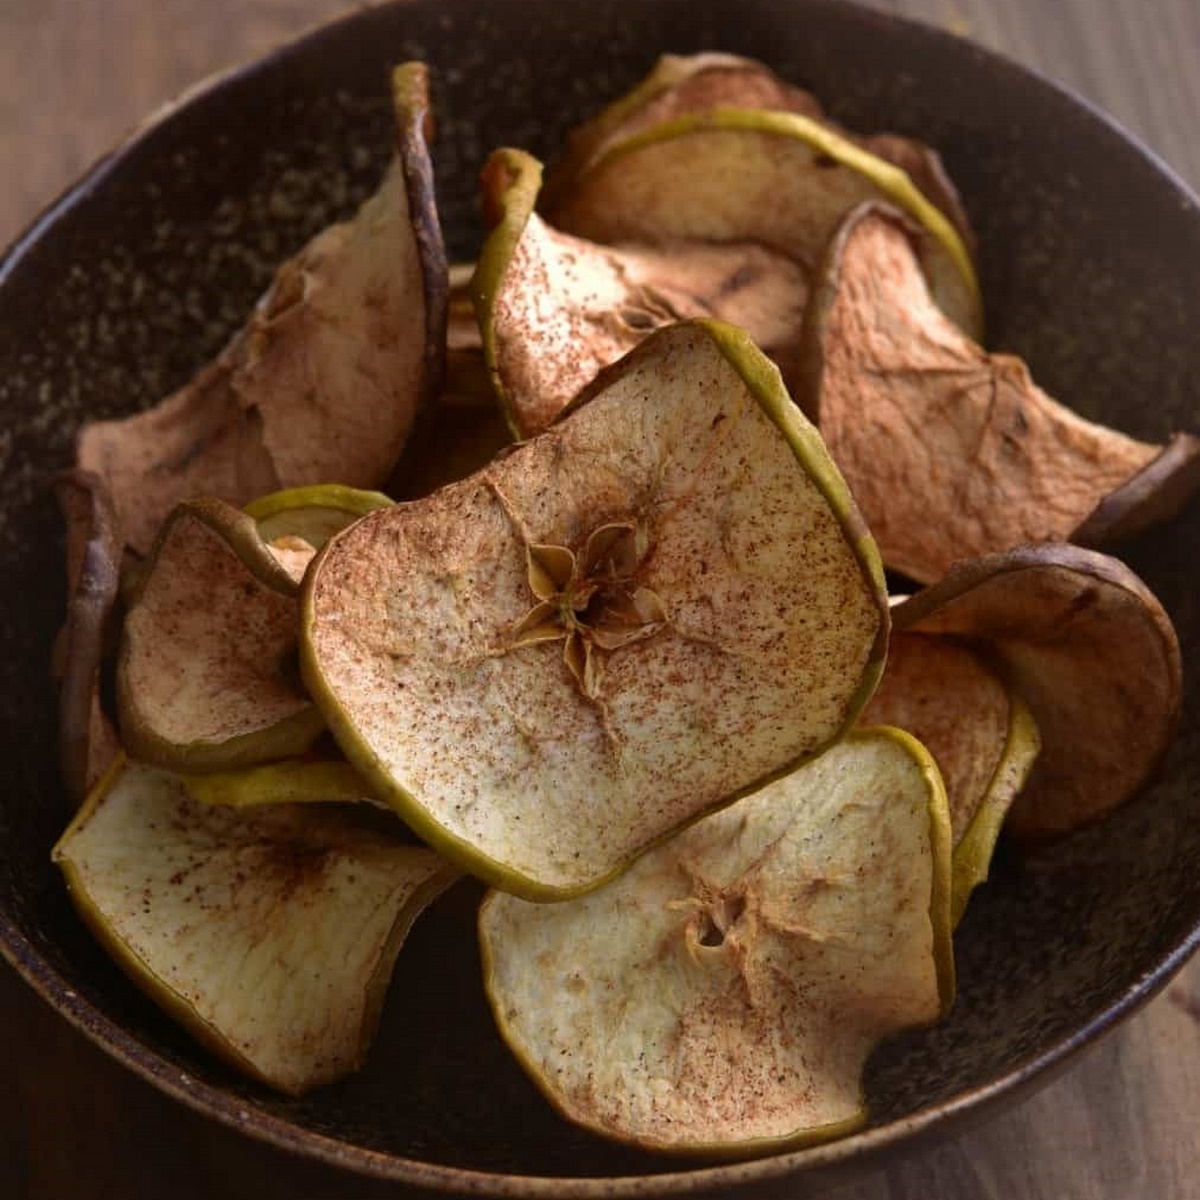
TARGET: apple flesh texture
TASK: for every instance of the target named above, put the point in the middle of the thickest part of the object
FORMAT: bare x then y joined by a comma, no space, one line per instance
269,934
723,995
953,452
543,710
979,731
203,678
554,309
1093,654
326,377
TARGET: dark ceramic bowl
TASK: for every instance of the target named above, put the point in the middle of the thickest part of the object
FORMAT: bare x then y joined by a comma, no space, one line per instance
1090,257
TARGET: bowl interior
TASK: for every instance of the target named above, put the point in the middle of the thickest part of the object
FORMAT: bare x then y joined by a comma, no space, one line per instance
1089,256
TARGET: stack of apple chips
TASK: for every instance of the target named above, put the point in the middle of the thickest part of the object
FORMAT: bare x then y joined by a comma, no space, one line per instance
632,671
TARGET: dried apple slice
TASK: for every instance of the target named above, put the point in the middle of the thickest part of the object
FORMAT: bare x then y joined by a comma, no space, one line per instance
206,673
722,996
554,309
680,85
295,523
953,452
739,174
1093,654
656,605
270,935
87,740
981,735
313,513
325,379
294,781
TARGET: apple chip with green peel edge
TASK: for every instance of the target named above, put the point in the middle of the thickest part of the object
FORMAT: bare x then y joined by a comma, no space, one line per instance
1090,651
658,604
554,309
308,780
680,85
324,381
87,740
206,677
980,732
952,452
741,174
723,995
270,935
295,523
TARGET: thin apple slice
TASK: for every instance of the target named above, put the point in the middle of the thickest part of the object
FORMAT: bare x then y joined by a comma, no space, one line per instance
554,309
313,513
681,85
296,522
206,672
655,606
308,780
324,381
739,174
270,935
981,735
723,995
87,740
953,452
1093,654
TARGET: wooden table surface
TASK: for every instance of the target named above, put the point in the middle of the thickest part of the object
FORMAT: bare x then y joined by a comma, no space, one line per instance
1121,1124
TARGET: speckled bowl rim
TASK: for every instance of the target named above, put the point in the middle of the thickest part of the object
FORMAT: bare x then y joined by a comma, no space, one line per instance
855,1152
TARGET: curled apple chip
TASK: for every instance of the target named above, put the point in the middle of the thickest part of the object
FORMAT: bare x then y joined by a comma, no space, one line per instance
295,523
723,995
681,85
554,309
87,740
658,604
953,452
979,731
324,381
1092,653
206,676
269,934
741,174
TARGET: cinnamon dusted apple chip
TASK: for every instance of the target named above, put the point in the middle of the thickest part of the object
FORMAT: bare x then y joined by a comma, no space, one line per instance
269,934
206,677
555,309
953,452
325,379
722,996
741,174
980,732
682,85
654,606
1089,649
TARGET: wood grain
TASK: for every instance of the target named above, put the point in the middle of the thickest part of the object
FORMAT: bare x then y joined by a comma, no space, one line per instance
1119,1124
